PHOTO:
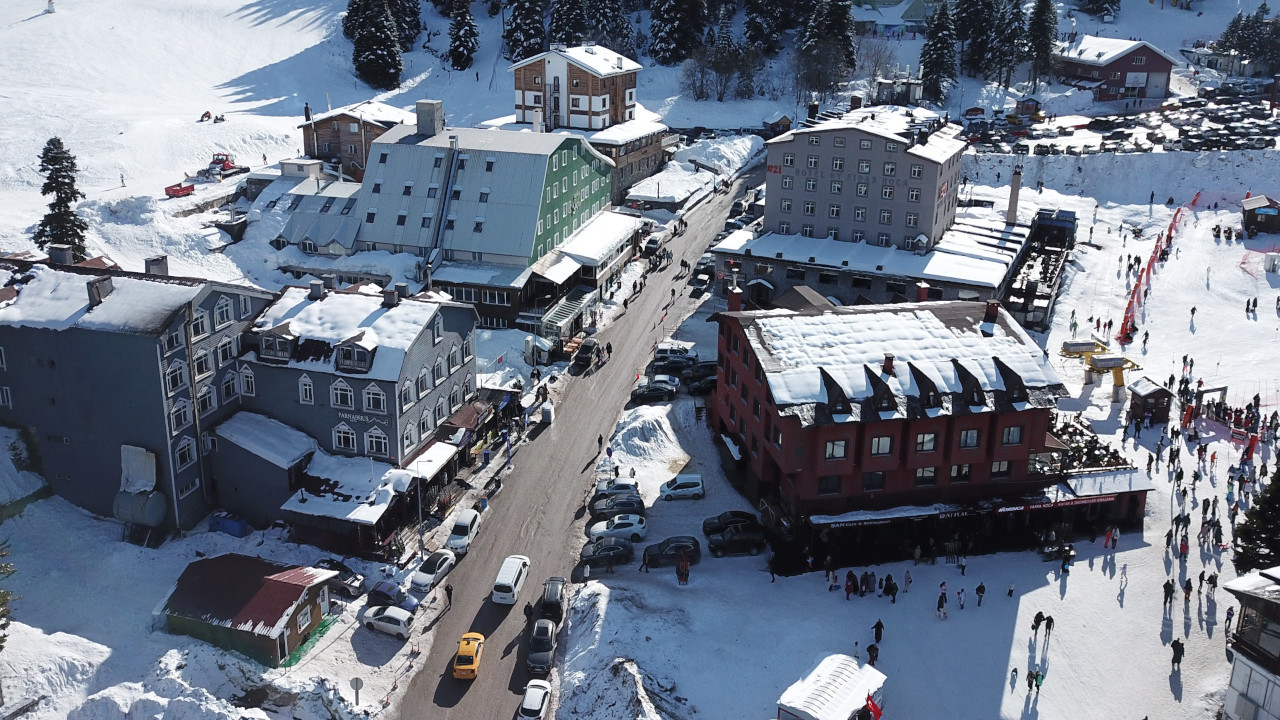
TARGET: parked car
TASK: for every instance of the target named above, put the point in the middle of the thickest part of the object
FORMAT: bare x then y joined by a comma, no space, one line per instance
1043,149
347,582
389,593
552,605
705,264
737,541
631,527
464,532
683,486
699,284
586,354
668,349
536,701
668,551
704,368
728,519
615,486
705,386
606,508
674,364
647,391
542,647
651,246
666,380
1021,148
390,620
433,569
466,663
607,551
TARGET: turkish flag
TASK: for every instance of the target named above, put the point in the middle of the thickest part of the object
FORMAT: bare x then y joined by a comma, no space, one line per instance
876,712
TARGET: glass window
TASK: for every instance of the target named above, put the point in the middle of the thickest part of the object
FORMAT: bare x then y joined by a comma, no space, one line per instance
913,219
340,395
786,205
838,141
180,415
886,216
344,438
203,365
811,185
829,485
1000,469
968,439
881,446
860,214
862,189
813,161
960,473
917,171
836,449
872,481
886,192
806,230
913,194
375,400
199,324
926,442
864,144
890,169
926,476
186,452
837,186
247,384
788,159
1012,435
222,312
787,182
837,164
815,140
864,166
306,392
833,210
375,443
809,207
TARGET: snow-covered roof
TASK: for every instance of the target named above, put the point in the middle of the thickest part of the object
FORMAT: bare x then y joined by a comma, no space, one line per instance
343,316
1144,386
974,253
835,689
269,439
44,297
1094,50
597,242
241,592
1264,584
433,459
626,132
1108,482
357,489
893,122
556,267
597,59
943,340
370,111
491,274
674,183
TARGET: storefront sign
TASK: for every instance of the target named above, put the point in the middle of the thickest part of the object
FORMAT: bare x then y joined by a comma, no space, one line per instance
355,417
861,523
1060,503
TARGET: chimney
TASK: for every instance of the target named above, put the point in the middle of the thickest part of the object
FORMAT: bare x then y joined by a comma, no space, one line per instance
60,255
922,291
813,111
99,289
317,290
1015,184
430,117
402,290
390,299
330,281
888,364
157,265
619,63
306,111
993,311
453,143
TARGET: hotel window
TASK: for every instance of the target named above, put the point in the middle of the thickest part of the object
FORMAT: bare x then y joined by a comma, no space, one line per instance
913,219
1000,469
886,216
199,324
784,228
864,144
247,385
789,159
787,182
891,147
202,364
913,194
186,452
860,214
206,400
837,186
890,169
180,415
222,312
836,449
810,207
408,190
872,481
886,192
926,442
375,443
837,163
815,140
306,392
838,142
960,473
926,476
786,205
833,210
340,395
806,230
1011,435
917,171
862,189
811,185
344,438
881,446
864,166
813,161
968,439
829,485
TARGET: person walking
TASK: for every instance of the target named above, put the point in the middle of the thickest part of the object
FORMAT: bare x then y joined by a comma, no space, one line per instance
1200,585
1031,679
1115,538
942,605
1231,613
1213,584
1010,589
1036,622
599,444
1168,592
1178,650
906,582
1039,681
1186,591
849,584
873,654
980,590
1168,539
857,653
448,596
960,598
964,562
1048,626
879,628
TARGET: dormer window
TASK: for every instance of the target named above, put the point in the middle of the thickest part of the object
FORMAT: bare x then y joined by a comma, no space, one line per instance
274,347
931,399
886,402
352,357
977,397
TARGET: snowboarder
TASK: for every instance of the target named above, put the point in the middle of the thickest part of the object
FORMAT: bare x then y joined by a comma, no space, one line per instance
980,590
879,628
1178,650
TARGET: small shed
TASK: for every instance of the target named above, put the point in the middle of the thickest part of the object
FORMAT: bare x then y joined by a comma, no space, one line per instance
259,608
836,689
776,124
1261,214
1149,400
1026,107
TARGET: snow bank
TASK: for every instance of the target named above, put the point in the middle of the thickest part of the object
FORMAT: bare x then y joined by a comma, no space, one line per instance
645,440
15,484
727,154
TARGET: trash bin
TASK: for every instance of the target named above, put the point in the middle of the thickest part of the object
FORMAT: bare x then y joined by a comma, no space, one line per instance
484,504
486,457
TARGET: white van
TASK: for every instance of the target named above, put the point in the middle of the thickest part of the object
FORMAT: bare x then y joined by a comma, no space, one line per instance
511,577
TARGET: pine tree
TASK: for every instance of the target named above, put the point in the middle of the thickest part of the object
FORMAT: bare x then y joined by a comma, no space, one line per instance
748,61
820,58
677,27
408,17
464,38
839,25
762,32
938,56
61,225
1007,45
568,22
357,10
973,20
612,28
526,33
376,51
1257,537
724,55
1042,38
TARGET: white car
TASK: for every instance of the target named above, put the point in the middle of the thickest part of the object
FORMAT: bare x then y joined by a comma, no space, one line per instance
683,486
616,486
536,701
464,531
670,381
627,527
433,569
389,620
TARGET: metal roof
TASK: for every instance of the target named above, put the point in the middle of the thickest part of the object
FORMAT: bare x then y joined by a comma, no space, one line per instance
241,592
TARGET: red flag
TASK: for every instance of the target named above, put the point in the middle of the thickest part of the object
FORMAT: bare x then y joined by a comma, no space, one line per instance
876,712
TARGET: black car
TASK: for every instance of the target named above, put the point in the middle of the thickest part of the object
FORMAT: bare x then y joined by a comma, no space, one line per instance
347,582
630,504
706,263
699,370
542,647
607,551
648,391
669,551
728,519
552,605
705,386
673,364
737,541
586,353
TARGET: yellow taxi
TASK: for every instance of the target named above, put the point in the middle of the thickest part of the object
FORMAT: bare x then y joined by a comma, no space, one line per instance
467,662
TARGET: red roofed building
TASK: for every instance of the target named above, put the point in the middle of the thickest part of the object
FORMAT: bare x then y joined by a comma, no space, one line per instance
261,609
1115,69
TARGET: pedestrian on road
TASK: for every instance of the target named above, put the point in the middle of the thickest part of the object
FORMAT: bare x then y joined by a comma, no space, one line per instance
906,582
980,590
879,628
599,444
1048,626
644,564
1039,681
448,596
1178,650
964,561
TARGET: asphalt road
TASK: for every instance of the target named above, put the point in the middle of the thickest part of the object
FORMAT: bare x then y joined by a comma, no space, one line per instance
539,511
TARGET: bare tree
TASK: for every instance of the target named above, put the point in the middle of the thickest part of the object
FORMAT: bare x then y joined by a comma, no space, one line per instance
876,56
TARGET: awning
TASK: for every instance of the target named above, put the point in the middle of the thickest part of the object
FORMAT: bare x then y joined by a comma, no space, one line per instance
433,460
556,267
1053,443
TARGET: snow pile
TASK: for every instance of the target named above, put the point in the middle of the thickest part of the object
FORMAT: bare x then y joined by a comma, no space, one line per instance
645,440
676,182
175,688
500,358
15,484
726,154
